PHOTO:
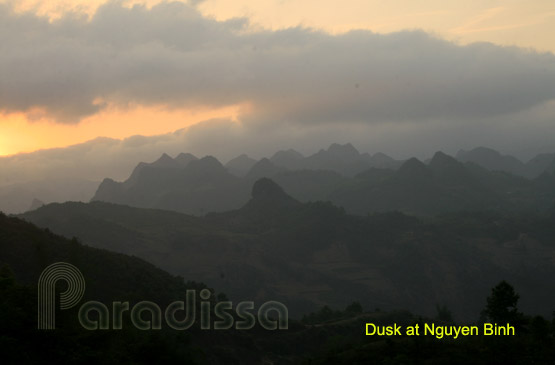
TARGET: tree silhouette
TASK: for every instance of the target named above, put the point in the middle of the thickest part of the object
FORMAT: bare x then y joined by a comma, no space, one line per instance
502,304
443,313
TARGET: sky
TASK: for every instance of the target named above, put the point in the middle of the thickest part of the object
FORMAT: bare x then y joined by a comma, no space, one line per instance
223,77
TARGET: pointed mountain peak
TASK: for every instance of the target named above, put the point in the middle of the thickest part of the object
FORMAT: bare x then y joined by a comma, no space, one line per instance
268,199
381,158
441,159
209,162
293,152
208,168
240,165
264,168
383,161
241,161
414,168
450,171
164,161
267,189
290,159
184,159
413,164
240,158
493,160
108,190
36,204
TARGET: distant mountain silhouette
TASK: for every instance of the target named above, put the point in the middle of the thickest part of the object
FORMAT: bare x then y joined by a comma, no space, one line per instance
16,198
35,204
164,162
414,169
200,186
492,160
240,165
344,159
289,159
445,185
183,159
266,196
186,184
205,169
450,172
268,192
339,174
495,161
544,162
335,157
383,161
310,185
264,168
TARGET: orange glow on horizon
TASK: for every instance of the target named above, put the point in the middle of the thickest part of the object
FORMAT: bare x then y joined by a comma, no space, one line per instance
18,134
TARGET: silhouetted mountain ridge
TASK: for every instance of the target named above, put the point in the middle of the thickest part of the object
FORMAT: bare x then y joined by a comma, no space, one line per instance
495,161
339,174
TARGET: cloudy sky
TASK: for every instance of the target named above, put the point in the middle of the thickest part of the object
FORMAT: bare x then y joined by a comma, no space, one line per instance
223,77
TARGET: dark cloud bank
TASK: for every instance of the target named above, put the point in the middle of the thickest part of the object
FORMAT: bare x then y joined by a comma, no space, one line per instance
171,54
405,93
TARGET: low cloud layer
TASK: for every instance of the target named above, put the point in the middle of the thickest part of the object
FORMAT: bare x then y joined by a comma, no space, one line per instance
172,55
523,134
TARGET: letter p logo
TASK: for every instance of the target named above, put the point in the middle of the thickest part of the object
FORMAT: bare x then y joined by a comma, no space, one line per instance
47,292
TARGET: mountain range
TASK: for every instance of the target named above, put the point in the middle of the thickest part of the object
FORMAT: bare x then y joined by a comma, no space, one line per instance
359,183
340,163
495,161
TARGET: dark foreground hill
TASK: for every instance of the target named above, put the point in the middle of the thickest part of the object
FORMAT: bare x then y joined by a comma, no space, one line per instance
323,337
312,254
25,250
